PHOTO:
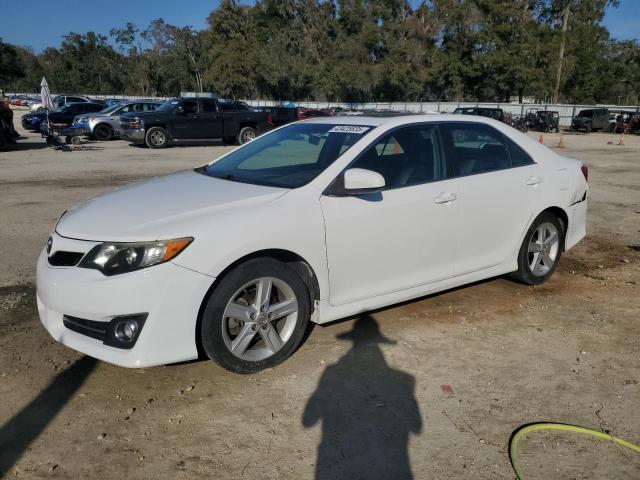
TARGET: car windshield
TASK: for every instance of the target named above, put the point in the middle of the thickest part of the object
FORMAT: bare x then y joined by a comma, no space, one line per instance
289,157
110,109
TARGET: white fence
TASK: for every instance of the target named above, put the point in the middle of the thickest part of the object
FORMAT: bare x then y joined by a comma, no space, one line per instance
566,111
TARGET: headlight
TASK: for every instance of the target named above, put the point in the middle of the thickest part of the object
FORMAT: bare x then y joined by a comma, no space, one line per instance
80,120
117,258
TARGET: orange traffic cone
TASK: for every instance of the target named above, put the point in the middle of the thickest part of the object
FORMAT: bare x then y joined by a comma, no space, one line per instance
541,139
621,142
561,143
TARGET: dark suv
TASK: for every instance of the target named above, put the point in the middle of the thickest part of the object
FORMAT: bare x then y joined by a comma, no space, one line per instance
591,119
495,113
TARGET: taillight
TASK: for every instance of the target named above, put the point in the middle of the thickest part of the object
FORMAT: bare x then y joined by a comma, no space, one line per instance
585,172
300,116
269,119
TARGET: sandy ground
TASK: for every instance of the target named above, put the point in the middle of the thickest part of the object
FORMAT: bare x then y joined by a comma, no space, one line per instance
436,391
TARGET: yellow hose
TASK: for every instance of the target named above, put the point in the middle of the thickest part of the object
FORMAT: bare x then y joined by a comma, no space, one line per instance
520,432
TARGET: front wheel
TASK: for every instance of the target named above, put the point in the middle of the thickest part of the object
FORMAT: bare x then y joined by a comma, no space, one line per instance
156,137
246,135
540,250
256,317
103,133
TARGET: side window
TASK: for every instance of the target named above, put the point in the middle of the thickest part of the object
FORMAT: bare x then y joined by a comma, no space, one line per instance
519,158
408,156
208,105
75,100
477,148
126,109
137,107
190,106
149,107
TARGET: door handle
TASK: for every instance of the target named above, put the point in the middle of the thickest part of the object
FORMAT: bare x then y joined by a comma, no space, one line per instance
531,181
445,198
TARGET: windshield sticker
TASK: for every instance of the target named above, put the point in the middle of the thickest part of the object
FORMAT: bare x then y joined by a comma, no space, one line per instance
349,129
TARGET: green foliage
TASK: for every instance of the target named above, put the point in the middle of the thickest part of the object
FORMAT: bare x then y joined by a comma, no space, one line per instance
351,50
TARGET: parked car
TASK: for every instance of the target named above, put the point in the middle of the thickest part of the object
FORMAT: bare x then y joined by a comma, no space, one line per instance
61,100
281,115
312,222
105,124
184,119
304,113
591,119
495,113
65,115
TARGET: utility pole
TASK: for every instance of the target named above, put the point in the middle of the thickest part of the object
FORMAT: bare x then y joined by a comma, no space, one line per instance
563,39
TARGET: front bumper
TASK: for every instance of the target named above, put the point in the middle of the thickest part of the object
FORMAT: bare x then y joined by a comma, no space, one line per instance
170,295
134,135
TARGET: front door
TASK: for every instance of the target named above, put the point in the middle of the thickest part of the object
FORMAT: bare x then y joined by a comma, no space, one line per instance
402,237
187,123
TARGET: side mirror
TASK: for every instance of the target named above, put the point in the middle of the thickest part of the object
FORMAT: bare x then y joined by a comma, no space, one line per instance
359,181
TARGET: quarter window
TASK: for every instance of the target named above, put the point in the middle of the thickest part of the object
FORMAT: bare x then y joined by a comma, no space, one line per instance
408,156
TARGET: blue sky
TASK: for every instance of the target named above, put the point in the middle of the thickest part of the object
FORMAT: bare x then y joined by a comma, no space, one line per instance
40,23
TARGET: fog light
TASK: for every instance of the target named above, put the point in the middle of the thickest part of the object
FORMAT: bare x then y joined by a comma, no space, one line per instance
126,331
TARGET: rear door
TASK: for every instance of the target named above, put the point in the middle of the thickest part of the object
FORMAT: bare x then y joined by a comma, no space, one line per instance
497,185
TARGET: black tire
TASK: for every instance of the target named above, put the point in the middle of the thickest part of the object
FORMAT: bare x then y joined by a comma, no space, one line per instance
246,134
67,139
76,140
213,323
525,274
156,137
103,132
587,128
230,140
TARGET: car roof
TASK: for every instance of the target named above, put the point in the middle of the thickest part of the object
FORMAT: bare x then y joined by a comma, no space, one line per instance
399,120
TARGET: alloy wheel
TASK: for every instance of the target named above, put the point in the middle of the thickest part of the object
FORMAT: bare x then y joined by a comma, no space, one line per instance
259,319
157,138
543,249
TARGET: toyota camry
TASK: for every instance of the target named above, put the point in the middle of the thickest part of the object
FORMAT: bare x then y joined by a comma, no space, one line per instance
312,222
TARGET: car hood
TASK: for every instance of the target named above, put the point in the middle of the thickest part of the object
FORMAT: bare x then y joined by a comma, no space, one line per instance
170,206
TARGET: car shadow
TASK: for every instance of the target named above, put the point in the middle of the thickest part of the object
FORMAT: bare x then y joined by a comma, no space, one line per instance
21,146
367,410
20,431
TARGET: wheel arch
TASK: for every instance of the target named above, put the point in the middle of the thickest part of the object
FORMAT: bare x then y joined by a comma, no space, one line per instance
295,261
99,124
561,214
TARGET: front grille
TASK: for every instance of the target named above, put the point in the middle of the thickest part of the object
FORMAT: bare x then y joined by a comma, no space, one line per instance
65,259
90,328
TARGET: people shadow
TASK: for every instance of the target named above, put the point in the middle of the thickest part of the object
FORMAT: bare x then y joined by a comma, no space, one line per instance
20,431
367,410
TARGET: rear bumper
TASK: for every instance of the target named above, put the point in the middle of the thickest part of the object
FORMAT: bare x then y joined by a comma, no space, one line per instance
577,224
133,135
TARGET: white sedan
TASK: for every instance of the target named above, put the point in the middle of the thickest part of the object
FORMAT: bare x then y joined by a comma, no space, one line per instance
312,222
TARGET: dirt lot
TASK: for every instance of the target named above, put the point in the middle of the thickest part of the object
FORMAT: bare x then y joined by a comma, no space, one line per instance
437,391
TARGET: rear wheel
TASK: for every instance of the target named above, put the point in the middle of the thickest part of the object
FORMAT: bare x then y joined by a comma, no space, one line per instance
156,137
256,317
540,250
103,132
246,135
75,140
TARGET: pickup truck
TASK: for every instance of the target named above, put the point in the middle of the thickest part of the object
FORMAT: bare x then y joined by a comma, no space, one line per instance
184,119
